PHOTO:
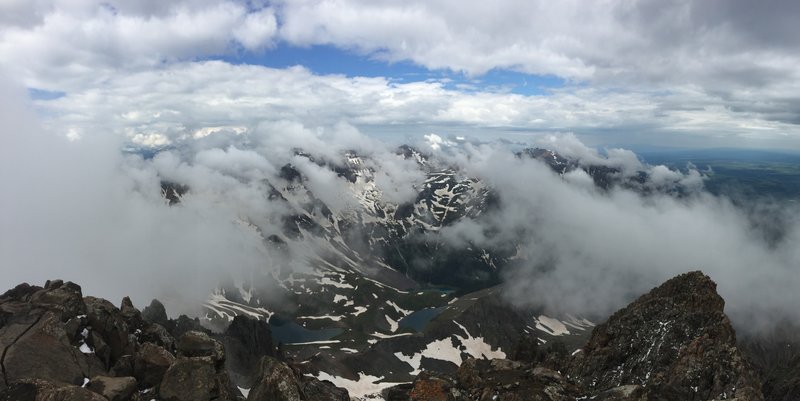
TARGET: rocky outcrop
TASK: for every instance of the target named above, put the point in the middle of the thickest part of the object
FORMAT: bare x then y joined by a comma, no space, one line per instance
246,341
58,345
45,335
676,340
674,343
277,381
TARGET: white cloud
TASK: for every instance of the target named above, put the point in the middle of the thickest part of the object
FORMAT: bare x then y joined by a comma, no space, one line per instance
693,73
70,45
257,30
197,98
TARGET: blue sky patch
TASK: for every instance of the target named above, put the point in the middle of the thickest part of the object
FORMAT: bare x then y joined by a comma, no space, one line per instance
326,60
41,94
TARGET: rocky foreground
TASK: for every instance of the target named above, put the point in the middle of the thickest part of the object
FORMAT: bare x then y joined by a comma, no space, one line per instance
674,343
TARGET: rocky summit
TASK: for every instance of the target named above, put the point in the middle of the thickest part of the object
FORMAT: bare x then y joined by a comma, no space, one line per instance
58,345
673,343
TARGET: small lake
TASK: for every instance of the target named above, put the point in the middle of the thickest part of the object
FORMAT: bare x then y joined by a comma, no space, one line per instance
419,319
288,332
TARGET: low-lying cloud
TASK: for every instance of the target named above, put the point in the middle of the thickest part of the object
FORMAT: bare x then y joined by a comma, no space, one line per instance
587,250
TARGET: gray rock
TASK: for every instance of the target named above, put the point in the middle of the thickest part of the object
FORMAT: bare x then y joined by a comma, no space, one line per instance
156,313
276,382
150,364
196,344
190,379
37,346
106,319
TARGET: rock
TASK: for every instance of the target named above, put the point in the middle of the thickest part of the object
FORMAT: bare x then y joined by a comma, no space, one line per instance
107,320
113,388
63,297
190,379
21,292
511,380
429,387
156,313
630,392
43,390
400,392
276,382
676,340
123,367
196,343
184,324
37,346
246,341
158,335
150,364
131,315
317,390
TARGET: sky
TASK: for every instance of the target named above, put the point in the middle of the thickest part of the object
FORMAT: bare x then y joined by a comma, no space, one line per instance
635,73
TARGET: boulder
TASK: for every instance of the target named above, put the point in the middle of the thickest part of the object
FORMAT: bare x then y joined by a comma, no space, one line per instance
190,379
61,297
318,390
37,346
107,320
197,344
276,382
113,388
43,390
150,364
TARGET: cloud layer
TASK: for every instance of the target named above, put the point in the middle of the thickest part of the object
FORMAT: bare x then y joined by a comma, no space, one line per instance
716,73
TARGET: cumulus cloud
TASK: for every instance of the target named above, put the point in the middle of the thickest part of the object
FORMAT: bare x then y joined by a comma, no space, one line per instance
680,72
64,45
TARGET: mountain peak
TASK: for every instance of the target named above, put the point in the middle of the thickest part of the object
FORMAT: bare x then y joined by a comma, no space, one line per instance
676,340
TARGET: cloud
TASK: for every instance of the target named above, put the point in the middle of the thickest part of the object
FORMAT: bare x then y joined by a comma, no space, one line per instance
678,73
584,250
70,45
731,52
210,97
83,211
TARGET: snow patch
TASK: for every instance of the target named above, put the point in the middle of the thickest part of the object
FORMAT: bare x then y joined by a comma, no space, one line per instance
551,326
316,342
393,325
404,312
367,387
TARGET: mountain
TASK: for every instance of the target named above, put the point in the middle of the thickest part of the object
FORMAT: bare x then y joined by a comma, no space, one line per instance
673,343
382,294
